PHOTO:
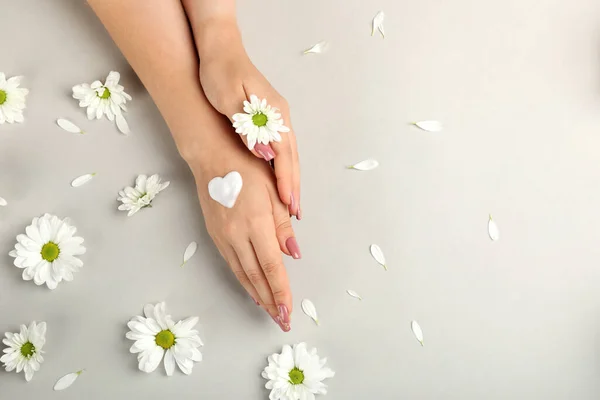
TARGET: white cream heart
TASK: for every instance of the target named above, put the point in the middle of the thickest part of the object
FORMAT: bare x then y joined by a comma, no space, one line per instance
226,190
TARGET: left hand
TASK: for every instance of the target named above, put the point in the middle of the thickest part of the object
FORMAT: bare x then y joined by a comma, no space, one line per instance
229,78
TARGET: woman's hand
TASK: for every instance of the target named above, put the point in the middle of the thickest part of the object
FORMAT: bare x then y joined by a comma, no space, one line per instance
252,234
228,78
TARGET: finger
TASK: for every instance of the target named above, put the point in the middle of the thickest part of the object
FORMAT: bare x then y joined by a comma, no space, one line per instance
283,227
296,180
287,169
236,266
264,241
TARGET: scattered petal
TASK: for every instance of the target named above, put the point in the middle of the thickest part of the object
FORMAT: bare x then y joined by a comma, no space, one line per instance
68,126
189,252
417,331
67,380
82,180
309,309
317,48
365,165
378,255
378,23
3,202
122,124
493,229
429,126
353,294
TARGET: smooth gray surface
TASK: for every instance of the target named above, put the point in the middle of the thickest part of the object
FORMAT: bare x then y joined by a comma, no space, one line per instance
517,84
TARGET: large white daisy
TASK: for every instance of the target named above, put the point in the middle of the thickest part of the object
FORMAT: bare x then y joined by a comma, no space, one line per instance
157,335
106,98
259,122
12,99
24,351
141,196
296,374
47,251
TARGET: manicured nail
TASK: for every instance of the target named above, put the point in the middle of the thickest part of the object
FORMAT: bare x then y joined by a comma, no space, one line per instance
293,248
299,214
265,151
284,314
284,327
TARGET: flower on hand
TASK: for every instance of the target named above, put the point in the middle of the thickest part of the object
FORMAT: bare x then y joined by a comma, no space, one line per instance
157,335
141,196
12,99
259,122
47,251
24,351
106,98
296,373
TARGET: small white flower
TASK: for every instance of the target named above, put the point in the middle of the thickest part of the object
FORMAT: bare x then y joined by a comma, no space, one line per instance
47,251
103,99
296,374
141,196
260,122
12,99
157,335
24,351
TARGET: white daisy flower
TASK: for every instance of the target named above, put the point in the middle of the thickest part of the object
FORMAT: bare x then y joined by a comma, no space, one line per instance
104,99
24,351
259,122
141,196
157,336
296,374
47,251
12,99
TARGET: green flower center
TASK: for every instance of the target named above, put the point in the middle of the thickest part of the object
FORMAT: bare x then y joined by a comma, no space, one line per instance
50,251
259,119
296,376
165,339
2,97
27,350
105,94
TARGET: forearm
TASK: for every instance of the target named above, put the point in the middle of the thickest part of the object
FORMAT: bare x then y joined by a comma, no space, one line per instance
154,36
214,25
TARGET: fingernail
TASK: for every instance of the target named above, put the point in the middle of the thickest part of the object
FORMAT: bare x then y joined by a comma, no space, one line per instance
299,214
265,151
293,248
284,327
292,204
284,314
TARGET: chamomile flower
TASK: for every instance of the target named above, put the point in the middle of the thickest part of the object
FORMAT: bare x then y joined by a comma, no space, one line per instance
259,122
48,251
12,99
156,335
106,98
141,196
24,351
296,374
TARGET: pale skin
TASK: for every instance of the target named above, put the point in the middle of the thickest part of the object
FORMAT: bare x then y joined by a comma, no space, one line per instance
252,235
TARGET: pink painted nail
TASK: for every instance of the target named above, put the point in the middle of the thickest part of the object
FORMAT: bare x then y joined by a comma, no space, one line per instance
299,214
265,151
293,248
284,314
284,327
292,204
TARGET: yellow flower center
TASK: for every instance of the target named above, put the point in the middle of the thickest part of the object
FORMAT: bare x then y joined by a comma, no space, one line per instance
296,376
27,350
50,251
105,94
259,119
2,97
165,339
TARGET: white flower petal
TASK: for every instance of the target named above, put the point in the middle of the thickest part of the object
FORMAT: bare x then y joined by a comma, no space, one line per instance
378,255
67,380
417,331
317,48
309,309
122,124
69,126
190,250
82,180
353,294
493,229
3,202
378,23
365,165
429,126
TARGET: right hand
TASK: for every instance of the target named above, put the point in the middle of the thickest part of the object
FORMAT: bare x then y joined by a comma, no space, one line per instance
251,235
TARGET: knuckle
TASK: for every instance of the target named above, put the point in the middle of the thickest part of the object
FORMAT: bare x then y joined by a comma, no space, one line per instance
270,267
280,294
230,229
255,277
241,276
284,225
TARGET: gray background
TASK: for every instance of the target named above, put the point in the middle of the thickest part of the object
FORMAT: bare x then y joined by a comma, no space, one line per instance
517,85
